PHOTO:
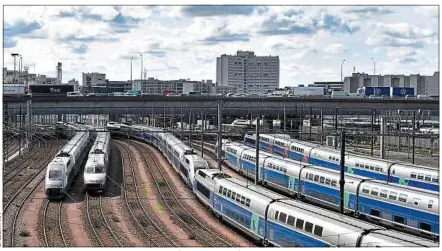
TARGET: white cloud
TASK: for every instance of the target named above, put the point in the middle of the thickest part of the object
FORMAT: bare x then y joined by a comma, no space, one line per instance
335,49
173,43
427,11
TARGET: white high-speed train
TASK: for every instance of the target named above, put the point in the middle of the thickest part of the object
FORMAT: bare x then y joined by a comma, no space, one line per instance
182,157
95,171
65,166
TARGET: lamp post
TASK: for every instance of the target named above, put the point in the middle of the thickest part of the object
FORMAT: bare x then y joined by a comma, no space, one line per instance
341,68
13,76
131,83
141,74
374,66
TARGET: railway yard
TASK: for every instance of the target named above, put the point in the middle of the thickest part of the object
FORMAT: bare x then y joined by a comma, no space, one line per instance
148,197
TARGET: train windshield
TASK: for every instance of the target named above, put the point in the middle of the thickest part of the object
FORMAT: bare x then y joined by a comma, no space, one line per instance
55,174
95,169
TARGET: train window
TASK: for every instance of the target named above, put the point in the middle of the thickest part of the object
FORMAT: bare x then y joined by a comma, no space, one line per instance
377,169
403,197
430,204
337,160
383,193
276,215
308,227
299,223
310,176
282,217
334,183
394,171
322,180
306,175
392,196
413,175
329,157
233,195
367,166
316,178
318,231
243,200
375,191
425,226
357,164
435,179
291,220
416,201
229,193
224,191
365,189
187,161
420,176
371,167
220,189
399,219
427,177
238,198
328,181
248,202
375,212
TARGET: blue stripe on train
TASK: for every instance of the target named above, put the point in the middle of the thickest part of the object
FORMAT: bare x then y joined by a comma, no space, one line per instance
278,234
418,184
366,204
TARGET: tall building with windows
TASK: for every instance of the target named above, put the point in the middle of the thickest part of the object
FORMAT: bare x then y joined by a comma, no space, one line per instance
94,79
248,73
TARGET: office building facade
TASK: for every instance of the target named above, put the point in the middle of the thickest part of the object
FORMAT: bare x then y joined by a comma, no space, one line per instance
248,73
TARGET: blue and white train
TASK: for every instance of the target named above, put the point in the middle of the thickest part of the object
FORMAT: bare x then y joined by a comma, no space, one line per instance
182,157
412,209
384,170
280,221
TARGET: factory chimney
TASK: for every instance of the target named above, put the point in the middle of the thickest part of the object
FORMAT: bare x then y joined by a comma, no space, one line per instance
59,73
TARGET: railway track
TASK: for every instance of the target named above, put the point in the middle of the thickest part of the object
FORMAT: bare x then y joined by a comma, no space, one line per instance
202,234
52,224
26,161
15,196
12,145
156,234
101,230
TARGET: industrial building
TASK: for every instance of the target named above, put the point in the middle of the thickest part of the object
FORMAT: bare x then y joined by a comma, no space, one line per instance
248,73
93,80
423,85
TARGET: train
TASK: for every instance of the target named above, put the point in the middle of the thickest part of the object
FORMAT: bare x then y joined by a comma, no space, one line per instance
62,170
95,170
394,172
405,208
183,159
279,221
265,215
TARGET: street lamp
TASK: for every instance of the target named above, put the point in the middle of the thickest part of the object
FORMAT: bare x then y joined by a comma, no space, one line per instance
374,66
341,68
131,70
141,75
13,76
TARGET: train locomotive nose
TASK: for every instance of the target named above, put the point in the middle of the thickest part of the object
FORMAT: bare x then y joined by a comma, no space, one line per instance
54,193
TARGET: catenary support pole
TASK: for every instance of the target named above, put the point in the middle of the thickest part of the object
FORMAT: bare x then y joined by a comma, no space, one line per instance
220,133
285,118
202,134
413,137
342,179
257,151
372,132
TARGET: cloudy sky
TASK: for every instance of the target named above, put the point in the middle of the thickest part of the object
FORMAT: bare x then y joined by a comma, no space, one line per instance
184,41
